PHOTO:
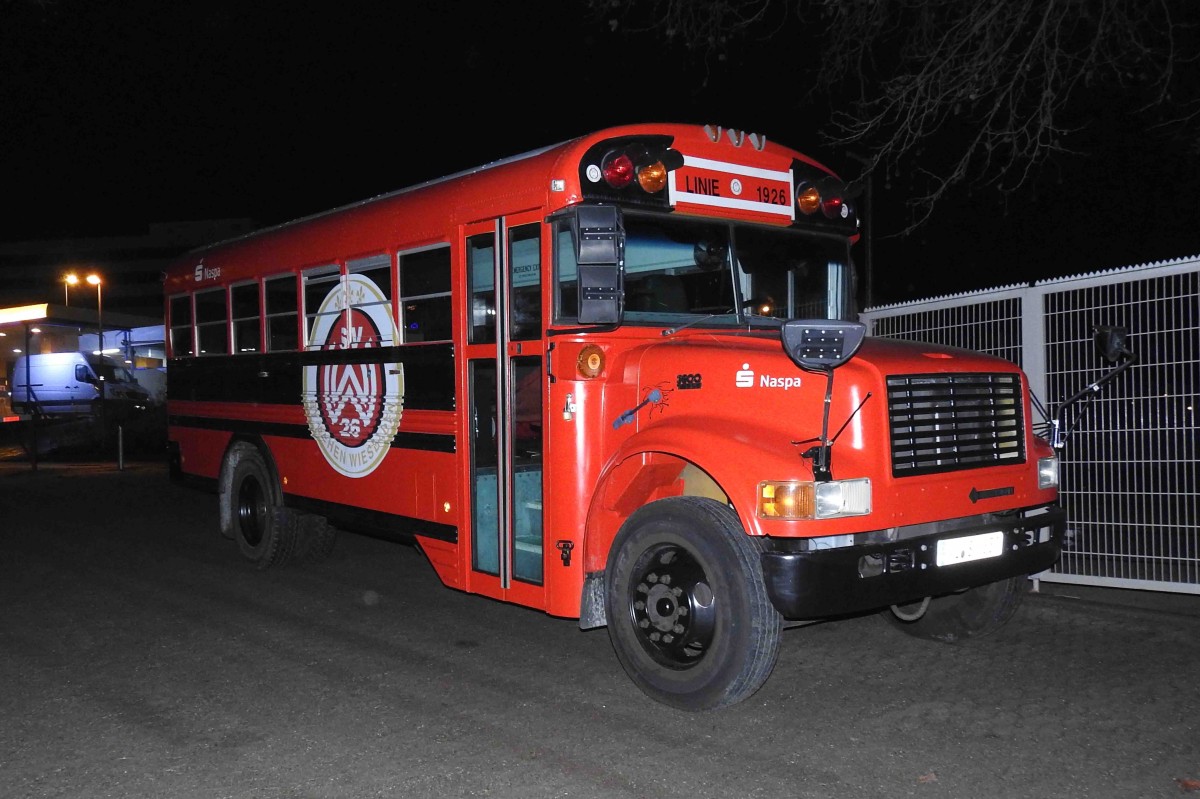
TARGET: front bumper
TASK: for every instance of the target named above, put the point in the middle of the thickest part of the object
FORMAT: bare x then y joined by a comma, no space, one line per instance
814,584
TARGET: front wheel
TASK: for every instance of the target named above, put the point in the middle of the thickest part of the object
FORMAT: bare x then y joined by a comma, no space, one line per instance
688,613
973,613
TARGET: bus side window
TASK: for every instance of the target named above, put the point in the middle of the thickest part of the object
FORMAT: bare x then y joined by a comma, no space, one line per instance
481,259
320,287
567,306
525,265
247,335
378,270
279,294
181,326
212,323
425,294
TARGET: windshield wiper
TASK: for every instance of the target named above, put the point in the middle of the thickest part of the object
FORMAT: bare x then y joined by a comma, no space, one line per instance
670,331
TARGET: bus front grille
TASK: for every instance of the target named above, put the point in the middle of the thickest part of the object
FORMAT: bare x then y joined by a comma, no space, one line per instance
952,422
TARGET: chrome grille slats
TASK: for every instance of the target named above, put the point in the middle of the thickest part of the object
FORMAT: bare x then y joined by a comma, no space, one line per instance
952,422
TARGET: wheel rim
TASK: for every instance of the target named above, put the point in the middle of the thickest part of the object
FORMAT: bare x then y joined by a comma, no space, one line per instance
251,511
672,606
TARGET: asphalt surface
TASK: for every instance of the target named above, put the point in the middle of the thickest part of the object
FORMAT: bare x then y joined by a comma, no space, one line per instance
141,657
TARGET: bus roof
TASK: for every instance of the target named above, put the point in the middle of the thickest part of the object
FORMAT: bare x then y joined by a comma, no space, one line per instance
523,181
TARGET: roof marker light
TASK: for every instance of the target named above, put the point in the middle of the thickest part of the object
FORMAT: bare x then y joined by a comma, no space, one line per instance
835,207
617,168
653,177
808,200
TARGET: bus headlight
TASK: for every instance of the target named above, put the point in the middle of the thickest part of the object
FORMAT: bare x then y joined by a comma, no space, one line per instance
795,499
1048,472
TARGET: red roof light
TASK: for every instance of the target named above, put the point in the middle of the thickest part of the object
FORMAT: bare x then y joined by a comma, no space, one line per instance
617,169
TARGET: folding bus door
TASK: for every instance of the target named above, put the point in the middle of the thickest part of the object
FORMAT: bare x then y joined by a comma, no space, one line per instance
506,381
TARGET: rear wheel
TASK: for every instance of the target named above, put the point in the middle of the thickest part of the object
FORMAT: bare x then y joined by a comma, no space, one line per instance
252,512
688,614
315,538
973,613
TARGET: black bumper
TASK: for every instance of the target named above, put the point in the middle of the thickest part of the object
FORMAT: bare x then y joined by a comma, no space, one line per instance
830,582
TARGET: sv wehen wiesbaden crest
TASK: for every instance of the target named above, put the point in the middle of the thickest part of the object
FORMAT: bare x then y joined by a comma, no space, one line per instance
354,409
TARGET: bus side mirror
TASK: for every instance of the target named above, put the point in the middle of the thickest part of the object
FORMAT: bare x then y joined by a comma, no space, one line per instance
1111,342
600,255
821,345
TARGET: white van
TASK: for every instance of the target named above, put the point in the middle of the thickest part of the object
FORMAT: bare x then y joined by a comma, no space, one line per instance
72,383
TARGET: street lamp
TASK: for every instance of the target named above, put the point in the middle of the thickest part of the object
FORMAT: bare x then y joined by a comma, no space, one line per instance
69,280
94,280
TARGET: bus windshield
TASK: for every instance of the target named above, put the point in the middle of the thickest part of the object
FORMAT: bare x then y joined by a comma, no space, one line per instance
705,272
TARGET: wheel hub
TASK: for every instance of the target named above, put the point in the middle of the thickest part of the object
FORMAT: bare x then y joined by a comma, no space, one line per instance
673,607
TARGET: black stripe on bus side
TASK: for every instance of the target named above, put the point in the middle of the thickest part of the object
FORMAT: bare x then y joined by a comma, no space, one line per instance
376,523
277,377
428,442
281,429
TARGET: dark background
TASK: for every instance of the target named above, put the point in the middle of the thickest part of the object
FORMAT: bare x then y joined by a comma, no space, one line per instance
121,115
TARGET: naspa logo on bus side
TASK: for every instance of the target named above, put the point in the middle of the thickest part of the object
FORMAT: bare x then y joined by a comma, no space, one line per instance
745,378
207,273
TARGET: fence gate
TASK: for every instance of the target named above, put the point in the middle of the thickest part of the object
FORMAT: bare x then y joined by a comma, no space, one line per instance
1131,471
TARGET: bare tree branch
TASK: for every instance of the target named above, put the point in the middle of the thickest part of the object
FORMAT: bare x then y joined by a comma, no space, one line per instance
1003,86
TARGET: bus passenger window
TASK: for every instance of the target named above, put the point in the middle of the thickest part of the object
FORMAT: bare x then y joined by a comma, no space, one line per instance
567,303
212,323
425,295
280,296
525,267
378,270
481,264
247,336
181,326
322,287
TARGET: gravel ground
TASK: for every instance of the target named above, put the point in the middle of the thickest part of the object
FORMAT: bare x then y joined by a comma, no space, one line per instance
140,657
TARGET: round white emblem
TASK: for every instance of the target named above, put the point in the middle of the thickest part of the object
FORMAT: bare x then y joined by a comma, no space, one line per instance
354,407
735,186
593,173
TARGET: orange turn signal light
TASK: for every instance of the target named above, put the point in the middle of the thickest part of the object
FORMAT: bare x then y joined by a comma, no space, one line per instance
591,361
808,200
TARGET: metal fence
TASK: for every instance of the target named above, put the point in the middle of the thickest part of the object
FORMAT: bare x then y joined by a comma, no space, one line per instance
1131,471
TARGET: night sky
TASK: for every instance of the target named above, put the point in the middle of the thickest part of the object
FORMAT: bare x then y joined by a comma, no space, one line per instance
118,115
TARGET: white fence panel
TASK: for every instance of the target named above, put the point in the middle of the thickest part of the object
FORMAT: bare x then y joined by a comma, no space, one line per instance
1131,471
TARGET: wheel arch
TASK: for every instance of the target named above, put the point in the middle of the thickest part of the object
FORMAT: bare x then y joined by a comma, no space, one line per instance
229,460
693,457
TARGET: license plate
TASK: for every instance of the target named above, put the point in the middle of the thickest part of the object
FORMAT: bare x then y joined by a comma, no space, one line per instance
969,548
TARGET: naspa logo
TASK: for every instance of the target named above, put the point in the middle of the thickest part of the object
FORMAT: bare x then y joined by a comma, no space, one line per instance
206,273
746,378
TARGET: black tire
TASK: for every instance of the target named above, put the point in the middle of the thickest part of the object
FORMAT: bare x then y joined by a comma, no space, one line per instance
315,538
969,614
253,513
688,613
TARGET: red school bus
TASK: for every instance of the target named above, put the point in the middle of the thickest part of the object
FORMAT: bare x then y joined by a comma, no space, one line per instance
612,379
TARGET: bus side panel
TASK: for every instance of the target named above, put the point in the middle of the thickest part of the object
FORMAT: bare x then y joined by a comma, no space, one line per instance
200,451
418,484
445,559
